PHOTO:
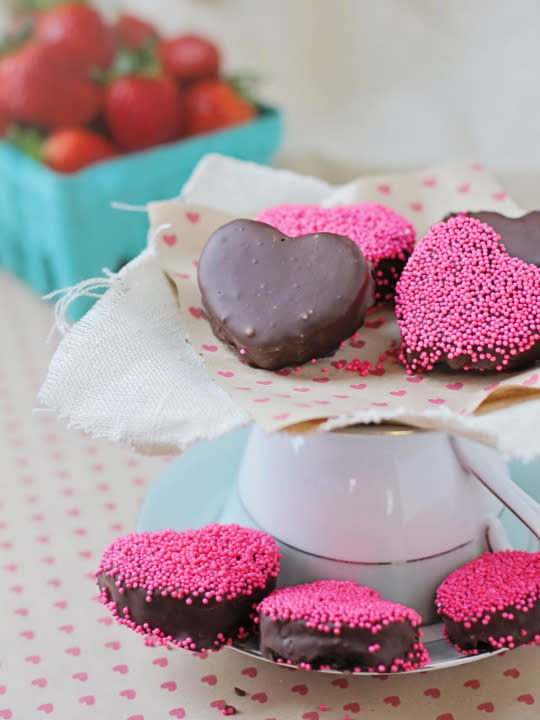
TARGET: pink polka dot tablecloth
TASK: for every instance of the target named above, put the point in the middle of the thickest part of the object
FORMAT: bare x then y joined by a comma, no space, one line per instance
64,497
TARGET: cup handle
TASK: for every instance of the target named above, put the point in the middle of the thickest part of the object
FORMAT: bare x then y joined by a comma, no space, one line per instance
483,467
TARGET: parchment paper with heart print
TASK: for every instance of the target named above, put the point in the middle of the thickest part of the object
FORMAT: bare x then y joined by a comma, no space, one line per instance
321,391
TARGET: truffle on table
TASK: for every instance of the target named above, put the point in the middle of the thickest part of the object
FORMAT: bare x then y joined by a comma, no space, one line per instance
492,602
196,589
337,624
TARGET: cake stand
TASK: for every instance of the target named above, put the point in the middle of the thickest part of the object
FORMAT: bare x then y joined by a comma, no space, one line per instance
292,487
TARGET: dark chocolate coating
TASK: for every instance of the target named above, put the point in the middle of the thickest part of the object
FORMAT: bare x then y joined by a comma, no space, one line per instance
477,636
284,300
176,619
520,236
292,640
520,361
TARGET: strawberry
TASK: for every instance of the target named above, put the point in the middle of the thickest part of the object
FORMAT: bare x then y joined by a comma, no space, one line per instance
4,123
189,57
142,111
81,31
133,33
70,149
214,104
40,86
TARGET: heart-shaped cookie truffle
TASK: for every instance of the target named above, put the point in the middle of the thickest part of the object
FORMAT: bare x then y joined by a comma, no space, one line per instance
195,589
340,625
464,301
282,301
492,602
385,237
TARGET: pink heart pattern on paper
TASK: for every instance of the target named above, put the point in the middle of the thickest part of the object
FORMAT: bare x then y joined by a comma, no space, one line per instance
488,707
129,694
260,697
170,686
47,708
353,707
178,713
169,240
209,679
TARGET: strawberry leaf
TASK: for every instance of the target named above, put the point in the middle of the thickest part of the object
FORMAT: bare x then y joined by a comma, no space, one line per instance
26,139
246,85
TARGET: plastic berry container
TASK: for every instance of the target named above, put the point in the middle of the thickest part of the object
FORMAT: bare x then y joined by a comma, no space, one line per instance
57,230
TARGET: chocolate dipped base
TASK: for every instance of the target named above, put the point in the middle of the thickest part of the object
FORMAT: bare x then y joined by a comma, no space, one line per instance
353,650
281,301
506,628
195,626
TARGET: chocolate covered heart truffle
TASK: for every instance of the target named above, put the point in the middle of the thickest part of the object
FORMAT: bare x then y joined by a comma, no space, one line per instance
282,301
465,302
492,602
340,625
385,237
195,589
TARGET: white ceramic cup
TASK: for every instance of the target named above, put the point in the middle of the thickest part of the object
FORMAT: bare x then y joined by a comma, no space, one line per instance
392,508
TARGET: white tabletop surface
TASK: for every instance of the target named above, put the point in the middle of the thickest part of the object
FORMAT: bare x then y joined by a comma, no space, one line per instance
64,497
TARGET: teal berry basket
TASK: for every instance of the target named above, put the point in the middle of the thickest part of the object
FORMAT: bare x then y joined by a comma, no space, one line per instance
57,230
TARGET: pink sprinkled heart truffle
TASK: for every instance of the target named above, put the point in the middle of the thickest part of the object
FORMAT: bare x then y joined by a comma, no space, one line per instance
341,625
195,589
465,302
385,237
492,602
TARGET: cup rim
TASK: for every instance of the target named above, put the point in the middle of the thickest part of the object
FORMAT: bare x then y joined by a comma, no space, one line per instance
395,429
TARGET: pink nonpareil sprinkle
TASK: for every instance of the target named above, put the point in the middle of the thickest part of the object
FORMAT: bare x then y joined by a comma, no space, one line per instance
493,581
462,298
216,561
